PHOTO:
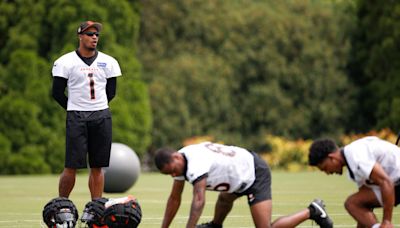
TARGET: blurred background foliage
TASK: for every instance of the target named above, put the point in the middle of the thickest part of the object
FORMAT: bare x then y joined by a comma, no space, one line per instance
241,69
268,75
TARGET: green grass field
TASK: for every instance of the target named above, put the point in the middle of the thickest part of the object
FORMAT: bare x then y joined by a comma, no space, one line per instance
22,198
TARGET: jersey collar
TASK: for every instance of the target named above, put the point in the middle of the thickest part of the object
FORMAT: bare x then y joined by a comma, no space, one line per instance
185,167
87,60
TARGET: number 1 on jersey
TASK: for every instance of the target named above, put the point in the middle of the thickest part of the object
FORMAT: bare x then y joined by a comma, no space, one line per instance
91,84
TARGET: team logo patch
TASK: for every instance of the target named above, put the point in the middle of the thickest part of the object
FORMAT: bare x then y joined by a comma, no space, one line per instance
99,64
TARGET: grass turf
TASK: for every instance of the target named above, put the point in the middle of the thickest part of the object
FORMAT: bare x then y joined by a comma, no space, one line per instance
22,198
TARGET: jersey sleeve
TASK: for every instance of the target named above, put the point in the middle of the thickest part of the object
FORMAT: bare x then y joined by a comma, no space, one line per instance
198,162
361,161
115,70
59,69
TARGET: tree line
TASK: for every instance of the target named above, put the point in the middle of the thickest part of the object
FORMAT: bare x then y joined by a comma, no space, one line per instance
233,70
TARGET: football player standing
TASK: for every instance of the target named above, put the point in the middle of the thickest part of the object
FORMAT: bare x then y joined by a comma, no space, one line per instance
90,78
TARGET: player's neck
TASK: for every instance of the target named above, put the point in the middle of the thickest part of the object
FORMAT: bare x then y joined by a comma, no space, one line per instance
84,52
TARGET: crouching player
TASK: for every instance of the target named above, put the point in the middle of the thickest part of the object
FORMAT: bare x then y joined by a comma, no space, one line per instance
234,172
374,165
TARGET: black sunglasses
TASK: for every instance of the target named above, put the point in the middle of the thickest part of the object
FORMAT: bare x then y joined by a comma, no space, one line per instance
92,33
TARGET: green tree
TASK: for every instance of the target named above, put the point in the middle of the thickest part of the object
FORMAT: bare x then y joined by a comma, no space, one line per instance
190,99
20,125
5,153
374,65
279,65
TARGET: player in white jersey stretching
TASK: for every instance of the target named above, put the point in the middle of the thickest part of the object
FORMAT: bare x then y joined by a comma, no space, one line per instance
374,165
233,171
90,78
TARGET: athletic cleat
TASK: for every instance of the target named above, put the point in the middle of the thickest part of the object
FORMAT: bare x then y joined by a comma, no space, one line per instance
319,215
209,225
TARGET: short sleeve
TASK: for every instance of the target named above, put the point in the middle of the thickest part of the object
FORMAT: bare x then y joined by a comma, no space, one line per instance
59,70
115,69
361,160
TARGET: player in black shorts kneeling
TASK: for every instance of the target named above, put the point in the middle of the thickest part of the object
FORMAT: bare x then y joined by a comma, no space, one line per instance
233,171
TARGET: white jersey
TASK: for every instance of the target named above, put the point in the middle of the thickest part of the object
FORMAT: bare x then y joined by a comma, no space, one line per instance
86,84
362,154
227,168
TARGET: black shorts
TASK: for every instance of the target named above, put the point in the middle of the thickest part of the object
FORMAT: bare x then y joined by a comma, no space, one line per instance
88,134
260,190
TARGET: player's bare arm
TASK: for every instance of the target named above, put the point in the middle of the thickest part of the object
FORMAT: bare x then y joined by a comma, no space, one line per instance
198,201
173,203
379,176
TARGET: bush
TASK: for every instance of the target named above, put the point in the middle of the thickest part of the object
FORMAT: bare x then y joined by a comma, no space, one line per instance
292,155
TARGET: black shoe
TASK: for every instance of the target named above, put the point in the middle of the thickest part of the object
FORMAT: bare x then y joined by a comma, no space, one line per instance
209,225
319,214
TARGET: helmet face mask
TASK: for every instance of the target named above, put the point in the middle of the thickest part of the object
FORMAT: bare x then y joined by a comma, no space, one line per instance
93,213
65,216
87,217
60,212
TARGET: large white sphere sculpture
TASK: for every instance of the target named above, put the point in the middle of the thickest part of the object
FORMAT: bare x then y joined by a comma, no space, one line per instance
123,171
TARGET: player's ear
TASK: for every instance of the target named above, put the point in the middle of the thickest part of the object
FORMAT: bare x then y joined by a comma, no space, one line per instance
176,155
333,156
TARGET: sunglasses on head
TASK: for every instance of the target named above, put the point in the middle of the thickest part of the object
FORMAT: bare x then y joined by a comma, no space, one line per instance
92,33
